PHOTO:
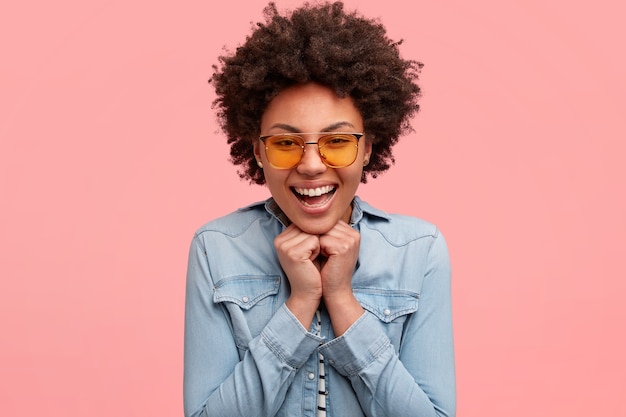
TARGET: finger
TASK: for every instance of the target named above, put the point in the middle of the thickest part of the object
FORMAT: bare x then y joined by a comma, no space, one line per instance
298,247
339,240
289,233
292,235
340,229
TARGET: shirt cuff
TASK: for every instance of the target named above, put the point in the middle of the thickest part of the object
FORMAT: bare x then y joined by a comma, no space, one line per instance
358,347
286,338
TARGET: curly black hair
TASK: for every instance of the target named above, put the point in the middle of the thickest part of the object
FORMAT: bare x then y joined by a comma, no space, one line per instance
324,44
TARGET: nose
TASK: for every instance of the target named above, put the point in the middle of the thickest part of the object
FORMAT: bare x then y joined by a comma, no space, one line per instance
311,163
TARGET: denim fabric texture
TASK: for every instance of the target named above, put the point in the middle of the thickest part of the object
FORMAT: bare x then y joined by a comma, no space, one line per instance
247,355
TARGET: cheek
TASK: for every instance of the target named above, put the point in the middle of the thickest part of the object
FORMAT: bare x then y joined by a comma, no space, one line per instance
352,177
274,178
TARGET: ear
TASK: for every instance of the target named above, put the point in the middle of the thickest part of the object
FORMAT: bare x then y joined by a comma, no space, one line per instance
368,152
257,150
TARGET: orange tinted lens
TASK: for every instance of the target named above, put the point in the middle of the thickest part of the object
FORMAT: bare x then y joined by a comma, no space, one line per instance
284,151
339,150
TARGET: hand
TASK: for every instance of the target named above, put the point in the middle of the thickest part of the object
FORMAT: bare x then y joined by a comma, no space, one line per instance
298,255
339,248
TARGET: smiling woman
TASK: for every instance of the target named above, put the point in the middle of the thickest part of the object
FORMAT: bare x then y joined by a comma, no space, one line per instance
313,302
312,107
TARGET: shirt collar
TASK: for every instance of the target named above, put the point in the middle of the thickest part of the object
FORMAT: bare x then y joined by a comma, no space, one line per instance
360,207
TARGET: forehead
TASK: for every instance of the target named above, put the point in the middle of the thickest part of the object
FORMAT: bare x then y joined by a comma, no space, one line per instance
309,107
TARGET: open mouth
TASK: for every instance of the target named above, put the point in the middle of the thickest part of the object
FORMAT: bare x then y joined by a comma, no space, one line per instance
314,197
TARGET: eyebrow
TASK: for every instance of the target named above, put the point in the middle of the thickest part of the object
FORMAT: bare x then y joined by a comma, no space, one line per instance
332,128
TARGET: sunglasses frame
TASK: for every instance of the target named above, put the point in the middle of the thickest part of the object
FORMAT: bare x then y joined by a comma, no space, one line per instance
299,135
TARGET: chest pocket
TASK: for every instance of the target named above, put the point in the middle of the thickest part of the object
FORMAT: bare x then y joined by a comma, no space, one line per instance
391,307
250,302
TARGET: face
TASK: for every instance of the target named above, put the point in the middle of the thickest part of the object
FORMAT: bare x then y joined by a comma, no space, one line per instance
313,108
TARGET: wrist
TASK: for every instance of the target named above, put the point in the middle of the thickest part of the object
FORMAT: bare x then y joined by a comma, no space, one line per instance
303,308
344,309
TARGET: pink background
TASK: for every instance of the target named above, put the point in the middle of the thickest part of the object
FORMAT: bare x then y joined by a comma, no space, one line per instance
110,159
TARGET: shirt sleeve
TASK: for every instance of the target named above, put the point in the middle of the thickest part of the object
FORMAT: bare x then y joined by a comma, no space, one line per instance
216,382
418,381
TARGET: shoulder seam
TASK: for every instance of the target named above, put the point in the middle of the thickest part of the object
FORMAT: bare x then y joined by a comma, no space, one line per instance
433,235
213,228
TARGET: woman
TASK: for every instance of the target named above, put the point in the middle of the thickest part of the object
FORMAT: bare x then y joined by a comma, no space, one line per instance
313,302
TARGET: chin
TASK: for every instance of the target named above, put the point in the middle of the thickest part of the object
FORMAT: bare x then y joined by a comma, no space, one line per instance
317,228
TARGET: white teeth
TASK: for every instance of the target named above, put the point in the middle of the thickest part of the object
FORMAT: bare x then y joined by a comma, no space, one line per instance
315,192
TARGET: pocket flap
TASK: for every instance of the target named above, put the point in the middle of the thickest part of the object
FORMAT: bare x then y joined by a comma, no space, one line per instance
387,305
246,291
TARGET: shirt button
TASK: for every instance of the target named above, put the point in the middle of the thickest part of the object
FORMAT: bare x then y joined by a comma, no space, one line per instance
311,376
387,312
332,362
245,299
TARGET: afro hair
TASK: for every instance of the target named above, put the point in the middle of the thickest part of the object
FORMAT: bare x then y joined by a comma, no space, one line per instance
319,43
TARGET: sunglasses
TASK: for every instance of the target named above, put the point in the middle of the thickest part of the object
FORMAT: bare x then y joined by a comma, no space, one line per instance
337,150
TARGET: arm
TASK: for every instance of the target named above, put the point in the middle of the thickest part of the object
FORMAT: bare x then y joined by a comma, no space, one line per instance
216,382
420,380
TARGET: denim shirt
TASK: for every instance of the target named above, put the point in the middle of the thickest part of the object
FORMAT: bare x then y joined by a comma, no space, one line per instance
247,355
